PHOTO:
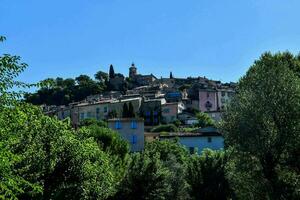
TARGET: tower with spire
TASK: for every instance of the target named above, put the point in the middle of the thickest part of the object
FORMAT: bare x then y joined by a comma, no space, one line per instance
132,71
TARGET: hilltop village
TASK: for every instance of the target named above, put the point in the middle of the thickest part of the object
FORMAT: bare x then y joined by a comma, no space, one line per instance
135,105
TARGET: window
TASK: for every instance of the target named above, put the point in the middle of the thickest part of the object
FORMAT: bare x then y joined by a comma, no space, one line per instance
208,105
133,124
155,120
148,113
89,115
155,113
82,115
118,125
105,109
133,139
209,139
97,110
223,94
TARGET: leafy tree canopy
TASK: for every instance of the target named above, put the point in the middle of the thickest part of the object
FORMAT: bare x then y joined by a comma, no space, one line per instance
263,123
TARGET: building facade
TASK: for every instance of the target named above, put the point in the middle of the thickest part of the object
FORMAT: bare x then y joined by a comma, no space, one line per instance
131,130
170,111
208,100
208,138
225,96
151,111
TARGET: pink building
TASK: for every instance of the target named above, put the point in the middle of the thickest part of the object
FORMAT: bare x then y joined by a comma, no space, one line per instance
208,100
170,111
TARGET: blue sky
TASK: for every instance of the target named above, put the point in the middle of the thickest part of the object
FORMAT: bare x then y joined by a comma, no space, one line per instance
218,39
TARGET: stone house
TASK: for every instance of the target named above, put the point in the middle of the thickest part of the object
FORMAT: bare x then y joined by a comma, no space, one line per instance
170,111
96,110
204,138
225,95
151,111
208,100
140,79
117,105
100,110
130,129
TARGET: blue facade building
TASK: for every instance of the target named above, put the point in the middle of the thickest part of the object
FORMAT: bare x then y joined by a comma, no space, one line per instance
196,142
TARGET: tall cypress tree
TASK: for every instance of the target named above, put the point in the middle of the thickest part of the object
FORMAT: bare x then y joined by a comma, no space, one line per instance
125,113
171,75
111,71
131,112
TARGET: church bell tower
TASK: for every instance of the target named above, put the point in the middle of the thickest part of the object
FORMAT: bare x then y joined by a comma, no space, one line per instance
132,71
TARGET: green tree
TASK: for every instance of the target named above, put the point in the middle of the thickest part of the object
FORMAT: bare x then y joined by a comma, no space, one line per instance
175,158
164,128
111,71
125,112
10,68
107,139
61,91
112,114
263,123
41,157
204,120
11,184
131,112
207,176
53,159
146,178
101,76
92,121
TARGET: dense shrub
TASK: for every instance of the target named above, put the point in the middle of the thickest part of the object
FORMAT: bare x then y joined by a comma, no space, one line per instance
92,121
165,128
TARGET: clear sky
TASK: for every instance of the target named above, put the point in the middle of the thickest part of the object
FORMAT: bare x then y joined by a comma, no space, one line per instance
218,39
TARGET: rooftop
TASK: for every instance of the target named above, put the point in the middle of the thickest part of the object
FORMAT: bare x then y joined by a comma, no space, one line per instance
126,119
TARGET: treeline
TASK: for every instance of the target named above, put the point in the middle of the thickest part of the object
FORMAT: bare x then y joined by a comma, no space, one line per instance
61,91
44,158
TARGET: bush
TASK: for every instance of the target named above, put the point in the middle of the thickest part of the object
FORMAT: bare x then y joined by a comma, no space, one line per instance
204,120
207,176
89,122
164,128
177,123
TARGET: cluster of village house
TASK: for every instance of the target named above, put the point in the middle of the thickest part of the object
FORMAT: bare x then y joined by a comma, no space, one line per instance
155,101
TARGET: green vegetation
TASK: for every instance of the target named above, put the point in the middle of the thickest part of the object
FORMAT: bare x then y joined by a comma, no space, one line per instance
206,175
61,91
188,129
128,111
204,120
164,128
262,125
43,158
92,121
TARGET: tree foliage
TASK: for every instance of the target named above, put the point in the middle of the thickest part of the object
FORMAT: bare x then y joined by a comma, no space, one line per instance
111,71
206,175
204,120
44,158
165,128
263,122
53,159
92,121
61,91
